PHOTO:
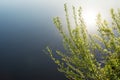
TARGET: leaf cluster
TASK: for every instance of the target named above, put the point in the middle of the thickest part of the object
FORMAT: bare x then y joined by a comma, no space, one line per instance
81,60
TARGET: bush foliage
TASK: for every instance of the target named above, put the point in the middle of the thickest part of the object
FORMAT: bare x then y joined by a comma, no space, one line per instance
89,57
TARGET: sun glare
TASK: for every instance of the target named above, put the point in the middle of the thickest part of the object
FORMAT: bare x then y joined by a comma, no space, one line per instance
90,19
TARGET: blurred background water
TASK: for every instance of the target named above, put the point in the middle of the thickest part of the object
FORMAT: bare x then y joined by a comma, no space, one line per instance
26,28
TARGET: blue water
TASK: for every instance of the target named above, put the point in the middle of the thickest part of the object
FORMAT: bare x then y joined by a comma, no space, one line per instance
24,34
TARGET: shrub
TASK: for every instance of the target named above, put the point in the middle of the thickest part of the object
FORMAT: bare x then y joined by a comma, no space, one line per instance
80,61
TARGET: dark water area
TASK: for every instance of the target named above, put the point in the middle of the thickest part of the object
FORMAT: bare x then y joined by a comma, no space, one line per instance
23,37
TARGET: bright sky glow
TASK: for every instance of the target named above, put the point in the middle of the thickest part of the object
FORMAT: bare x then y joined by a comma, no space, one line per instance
89,17
91,8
